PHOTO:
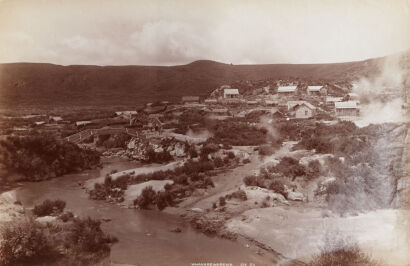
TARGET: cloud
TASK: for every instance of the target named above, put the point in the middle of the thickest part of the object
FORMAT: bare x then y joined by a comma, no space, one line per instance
168,42
180,31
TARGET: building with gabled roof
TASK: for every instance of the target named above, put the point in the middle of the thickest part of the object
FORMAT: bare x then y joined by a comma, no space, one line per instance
287,90
190,99
231,93
348,108
316,90
302,110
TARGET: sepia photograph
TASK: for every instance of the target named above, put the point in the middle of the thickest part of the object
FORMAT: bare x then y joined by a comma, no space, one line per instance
204,132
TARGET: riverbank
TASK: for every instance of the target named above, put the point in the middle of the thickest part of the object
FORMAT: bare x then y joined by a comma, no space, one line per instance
141,233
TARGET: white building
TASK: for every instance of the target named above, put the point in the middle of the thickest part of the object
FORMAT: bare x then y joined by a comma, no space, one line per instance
287,90
316,90
349,108
231,93
303,110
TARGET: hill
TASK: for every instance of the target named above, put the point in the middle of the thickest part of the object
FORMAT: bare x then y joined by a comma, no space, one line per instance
48,86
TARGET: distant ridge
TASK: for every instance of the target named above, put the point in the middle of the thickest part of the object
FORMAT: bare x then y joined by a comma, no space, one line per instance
48,86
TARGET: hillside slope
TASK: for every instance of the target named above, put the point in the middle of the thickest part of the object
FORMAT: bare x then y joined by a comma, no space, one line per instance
28,85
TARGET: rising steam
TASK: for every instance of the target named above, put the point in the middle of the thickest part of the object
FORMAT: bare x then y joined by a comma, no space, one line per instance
382,96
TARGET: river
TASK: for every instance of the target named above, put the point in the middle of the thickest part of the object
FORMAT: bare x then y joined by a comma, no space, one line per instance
144,235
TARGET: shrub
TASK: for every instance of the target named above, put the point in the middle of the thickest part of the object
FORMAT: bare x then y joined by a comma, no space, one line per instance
222,201
277,187
39,157
231,155
265,150
25,243
255,181
209,148
313,169
239,194
290,167
250,180
148,196
208,182
218,162
351,255
65,217
86,236
238,133
49,207
245,161
157,157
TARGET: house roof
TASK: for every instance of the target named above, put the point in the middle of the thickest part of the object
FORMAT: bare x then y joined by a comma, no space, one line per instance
190,98
270,102
346,105
231,91
314,88
81,123
334,99
220,110
292,104
309,105
56,118
287,88
300,103
211,100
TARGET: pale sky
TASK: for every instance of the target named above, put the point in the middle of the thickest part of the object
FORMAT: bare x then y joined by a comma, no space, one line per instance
169,32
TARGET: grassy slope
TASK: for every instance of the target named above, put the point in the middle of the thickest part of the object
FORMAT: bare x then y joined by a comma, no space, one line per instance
47,86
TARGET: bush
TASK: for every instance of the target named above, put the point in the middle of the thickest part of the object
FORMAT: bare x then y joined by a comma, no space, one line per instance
40,157
25,243
86,236
250,180
290,167
208,182
265,150
148,196
49,207
209,148
343,256
157,157
65,217
222,201
218,162
238,134
313,169
277,187
239,194
254,181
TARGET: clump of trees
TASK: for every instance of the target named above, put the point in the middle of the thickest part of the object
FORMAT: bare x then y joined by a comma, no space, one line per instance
274,178
238,134
346,255
238,194
49,207
150,197
157,157
42,157
81,242
113,141
194,174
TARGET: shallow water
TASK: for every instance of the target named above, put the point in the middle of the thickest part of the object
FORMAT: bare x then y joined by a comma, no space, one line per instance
144,236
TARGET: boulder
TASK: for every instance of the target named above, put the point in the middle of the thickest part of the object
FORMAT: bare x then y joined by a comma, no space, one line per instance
176,230
46,219
295,196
